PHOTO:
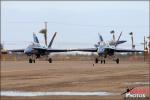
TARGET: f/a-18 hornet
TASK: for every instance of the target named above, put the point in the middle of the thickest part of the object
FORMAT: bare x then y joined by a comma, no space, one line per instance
105,49
36,50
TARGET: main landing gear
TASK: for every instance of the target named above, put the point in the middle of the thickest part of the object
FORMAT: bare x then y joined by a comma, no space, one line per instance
33,57
96,60
117,60
103,61
33,60
50,60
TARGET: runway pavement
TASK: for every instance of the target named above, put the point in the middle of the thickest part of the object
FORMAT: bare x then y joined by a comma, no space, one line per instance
72,76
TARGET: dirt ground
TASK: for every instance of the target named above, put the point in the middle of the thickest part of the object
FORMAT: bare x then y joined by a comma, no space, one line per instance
72,76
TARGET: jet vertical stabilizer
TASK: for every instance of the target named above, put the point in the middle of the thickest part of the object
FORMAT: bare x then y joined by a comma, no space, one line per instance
51,42
35,38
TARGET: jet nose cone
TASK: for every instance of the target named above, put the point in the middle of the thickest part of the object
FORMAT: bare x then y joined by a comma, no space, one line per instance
28,51
101,50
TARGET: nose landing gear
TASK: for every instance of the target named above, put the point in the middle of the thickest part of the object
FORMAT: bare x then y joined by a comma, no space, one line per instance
102,60
31,60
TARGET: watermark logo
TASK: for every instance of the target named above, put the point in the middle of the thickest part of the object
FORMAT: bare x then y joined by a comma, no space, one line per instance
136,94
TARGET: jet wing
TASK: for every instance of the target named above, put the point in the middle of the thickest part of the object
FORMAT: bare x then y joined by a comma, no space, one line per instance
16,50
85,50
39,48
58,50
51,50
127,50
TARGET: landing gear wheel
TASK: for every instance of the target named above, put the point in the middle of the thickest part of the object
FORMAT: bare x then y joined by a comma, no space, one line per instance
101,61
33,61
104,61
50,60
30,60
96,60
117,60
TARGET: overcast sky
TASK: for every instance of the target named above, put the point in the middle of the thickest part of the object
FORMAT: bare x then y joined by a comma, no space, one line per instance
77,22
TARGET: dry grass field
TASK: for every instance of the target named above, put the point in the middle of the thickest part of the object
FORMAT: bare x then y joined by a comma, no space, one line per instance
79,76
